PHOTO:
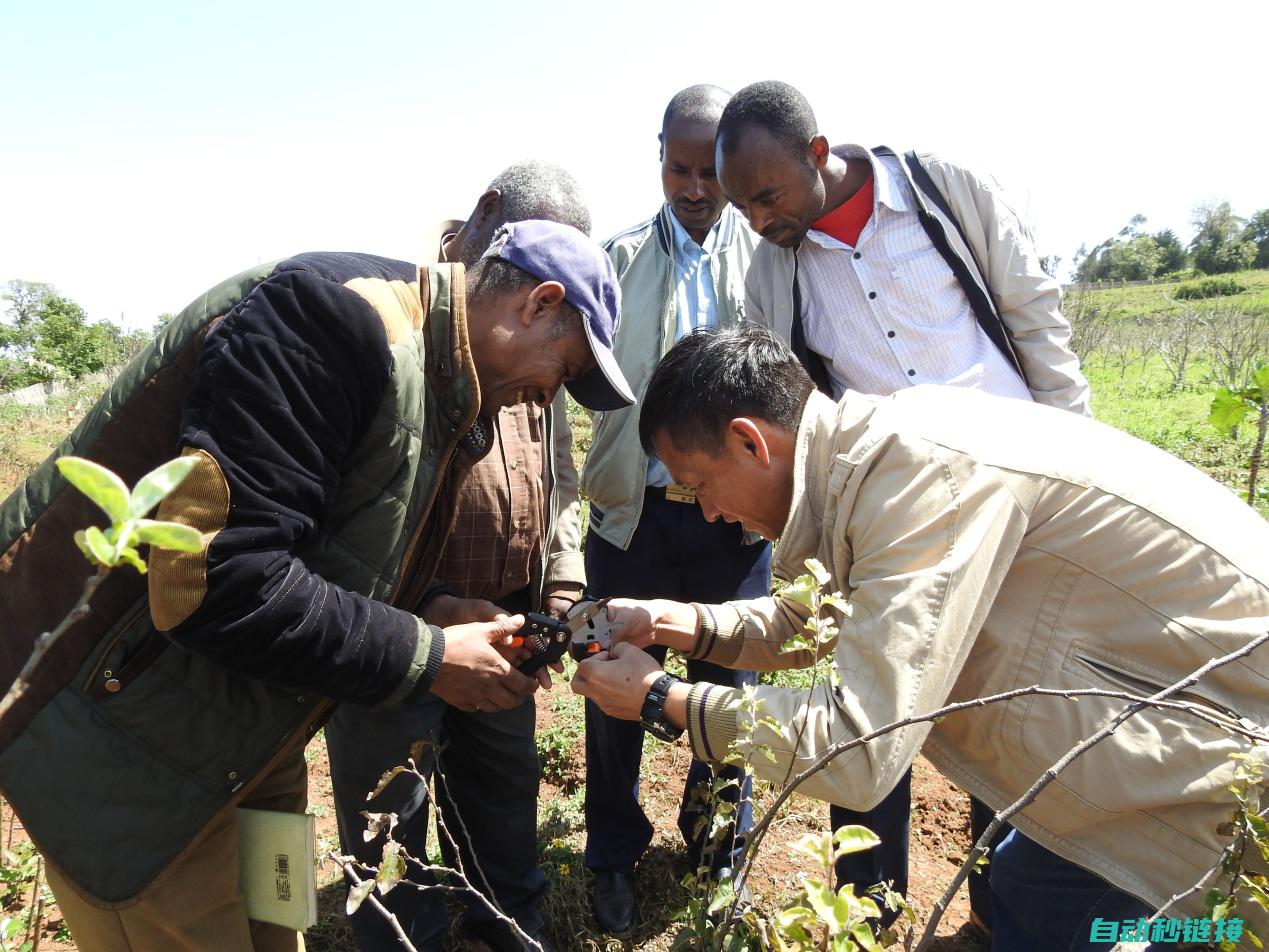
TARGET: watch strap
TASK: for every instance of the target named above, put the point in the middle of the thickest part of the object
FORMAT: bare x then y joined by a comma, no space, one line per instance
652,715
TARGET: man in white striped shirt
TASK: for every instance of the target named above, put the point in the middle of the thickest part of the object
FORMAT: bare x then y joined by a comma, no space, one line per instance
883,272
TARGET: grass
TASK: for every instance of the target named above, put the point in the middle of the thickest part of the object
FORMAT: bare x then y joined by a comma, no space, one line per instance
1152,301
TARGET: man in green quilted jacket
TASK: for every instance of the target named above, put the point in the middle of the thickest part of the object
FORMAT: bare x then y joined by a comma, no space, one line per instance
333,401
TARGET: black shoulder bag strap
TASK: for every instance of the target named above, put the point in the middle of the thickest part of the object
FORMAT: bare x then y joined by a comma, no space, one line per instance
980,301
811,361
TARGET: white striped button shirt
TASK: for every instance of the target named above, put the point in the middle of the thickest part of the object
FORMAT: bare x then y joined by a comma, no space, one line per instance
889,313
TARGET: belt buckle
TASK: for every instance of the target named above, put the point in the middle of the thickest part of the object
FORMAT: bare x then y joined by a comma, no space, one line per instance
679,492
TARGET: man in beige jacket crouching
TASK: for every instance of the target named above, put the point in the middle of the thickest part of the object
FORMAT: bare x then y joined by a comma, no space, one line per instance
983,544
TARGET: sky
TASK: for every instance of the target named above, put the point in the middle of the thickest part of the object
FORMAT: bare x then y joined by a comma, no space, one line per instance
151,149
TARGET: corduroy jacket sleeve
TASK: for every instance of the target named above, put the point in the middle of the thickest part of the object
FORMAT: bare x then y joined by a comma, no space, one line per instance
284,385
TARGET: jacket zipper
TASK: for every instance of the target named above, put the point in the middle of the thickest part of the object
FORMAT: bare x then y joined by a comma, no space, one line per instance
1137,684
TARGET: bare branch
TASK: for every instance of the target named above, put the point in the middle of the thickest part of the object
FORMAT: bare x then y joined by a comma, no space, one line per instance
46,641
375,904
980,848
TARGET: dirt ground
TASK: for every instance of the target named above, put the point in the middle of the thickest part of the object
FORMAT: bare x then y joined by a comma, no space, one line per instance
939,839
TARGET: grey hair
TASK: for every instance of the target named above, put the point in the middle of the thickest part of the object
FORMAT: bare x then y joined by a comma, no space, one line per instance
703,103
537,189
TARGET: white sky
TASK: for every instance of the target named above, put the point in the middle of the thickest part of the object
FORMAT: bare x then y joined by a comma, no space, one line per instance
151,149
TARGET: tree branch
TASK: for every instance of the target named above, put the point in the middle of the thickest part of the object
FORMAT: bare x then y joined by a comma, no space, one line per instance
46,641
980,848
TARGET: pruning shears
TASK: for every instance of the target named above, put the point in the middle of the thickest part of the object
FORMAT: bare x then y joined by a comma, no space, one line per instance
548,638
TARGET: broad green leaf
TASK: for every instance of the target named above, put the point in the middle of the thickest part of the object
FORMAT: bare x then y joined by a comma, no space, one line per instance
169,535
817,846
801,590
97,483
154,485
832,910
1260,378
722,897
854,839
391,868
357,895
1228,410
818,572
101,550
862,933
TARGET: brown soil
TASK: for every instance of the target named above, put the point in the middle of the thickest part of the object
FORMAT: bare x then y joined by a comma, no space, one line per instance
939,839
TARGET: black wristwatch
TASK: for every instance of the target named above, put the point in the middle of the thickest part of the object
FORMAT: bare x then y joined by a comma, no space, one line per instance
652,715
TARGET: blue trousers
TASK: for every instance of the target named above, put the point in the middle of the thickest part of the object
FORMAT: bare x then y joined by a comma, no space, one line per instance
675,553
888,862
489,764
1042,903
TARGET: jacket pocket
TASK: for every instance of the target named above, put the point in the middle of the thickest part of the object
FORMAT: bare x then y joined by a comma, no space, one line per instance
131,646
1116,673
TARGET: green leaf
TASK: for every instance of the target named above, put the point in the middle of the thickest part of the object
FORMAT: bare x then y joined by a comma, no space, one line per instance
132,557
833,910
169,535
154,485
854,839
98,547
817,846
1228,410
816,568
357,895
722,897
391,868
97,483
81,540
1260,379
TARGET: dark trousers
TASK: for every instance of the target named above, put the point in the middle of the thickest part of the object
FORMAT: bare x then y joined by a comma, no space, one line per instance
888,862
1044,903
675,553
488,786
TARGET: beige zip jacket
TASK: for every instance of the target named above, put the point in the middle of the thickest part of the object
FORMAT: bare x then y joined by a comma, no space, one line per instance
616,467
1043,549
1002,256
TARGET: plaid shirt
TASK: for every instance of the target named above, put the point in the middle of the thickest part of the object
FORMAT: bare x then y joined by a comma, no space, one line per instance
501,517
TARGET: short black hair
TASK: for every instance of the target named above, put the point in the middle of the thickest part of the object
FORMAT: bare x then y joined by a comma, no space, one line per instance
703,103
711,377
771,105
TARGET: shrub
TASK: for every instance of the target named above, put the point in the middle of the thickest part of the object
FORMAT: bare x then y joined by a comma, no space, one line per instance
1209,287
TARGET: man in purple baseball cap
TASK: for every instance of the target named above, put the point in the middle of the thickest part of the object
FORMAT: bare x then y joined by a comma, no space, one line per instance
560,254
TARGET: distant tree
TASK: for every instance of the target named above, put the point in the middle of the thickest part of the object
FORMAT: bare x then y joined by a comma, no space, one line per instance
26,300
1129,256
1257,232
1218,246
50,337
1173,252
1050,264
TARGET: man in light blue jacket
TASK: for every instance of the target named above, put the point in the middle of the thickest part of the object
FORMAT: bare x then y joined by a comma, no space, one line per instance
680,271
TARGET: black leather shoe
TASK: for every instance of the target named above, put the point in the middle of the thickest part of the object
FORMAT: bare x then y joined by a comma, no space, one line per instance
614,902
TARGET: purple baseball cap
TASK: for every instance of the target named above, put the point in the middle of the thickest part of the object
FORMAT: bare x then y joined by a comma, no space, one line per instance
551,251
